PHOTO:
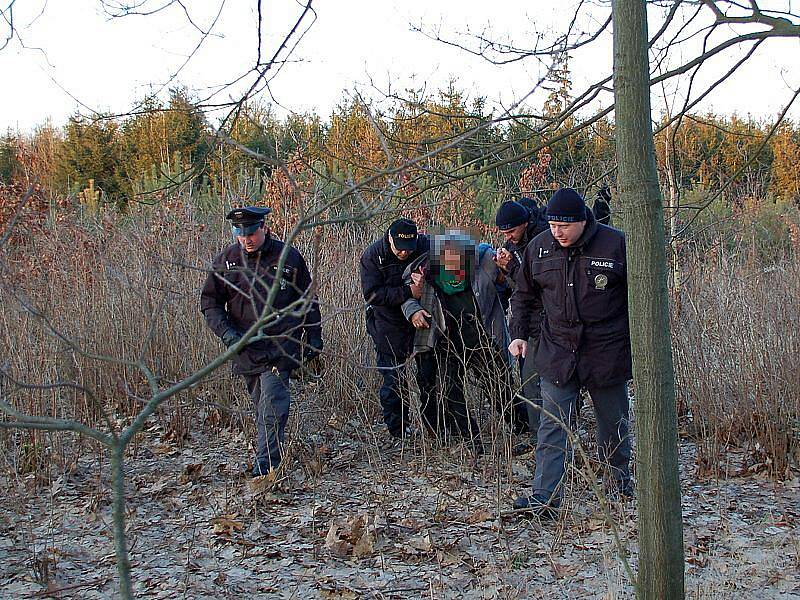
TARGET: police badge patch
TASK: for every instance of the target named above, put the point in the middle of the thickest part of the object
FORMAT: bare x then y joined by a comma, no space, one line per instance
600,281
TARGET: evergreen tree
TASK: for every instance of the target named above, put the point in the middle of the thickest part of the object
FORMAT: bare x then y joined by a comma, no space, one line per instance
92,151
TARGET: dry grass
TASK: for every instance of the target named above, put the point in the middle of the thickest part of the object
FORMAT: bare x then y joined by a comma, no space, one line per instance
124,287
736,346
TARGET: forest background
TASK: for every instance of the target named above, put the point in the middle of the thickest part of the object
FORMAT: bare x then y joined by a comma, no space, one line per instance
122,214
158,177
138,158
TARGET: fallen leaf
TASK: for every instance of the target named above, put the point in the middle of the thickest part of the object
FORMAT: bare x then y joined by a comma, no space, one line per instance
446,558
337,594
420,544
263,483
213,418
159,487
585,546
191,472
333,534
226,525
561,570
335,544
699,560
479,516
355,528
365,545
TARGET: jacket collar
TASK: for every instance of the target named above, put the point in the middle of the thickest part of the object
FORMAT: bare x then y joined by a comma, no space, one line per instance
589,231
386,248
536,225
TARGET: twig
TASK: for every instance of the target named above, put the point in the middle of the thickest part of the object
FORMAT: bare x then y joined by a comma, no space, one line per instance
55,591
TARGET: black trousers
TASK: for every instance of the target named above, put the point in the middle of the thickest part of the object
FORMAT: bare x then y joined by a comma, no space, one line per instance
394,394
442,377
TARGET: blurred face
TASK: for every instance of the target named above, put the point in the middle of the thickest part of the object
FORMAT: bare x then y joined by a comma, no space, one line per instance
451,260
515,234
567,234
252,241
400,254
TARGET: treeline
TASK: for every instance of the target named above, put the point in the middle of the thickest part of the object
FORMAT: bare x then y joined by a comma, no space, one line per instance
724,165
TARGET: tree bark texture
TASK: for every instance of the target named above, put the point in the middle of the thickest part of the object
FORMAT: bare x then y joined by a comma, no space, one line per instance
118,517
660,565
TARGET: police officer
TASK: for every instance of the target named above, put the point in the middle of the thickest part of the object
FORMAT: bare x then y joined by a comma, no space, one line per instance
520,222
575,272
602,205
233,299
381,269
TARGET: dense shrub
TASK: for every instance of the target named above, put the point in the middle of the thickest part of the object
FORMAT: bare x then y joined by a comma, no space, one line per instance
123,287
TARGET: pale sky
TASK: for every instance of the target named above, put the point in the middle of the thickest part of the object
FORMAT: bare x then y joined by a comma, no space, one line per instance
75,54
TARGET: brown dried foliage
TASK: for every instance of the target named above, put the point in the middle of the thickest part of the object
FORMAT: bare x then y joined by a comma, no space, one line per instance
736,346
123,286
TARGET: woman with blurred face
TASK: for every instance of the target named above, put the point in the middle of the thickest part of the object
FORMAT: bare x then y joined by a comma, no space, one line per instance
461,328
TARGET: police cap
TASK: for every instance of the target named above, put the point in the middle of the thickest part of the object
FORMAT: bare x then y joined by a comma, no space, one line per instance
404,234
247,215
566,206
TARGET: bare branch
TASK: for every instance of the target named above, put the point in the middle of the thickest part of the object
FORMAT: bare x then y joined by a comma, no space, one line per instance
561,45
49,424
65,385
32,189
7,15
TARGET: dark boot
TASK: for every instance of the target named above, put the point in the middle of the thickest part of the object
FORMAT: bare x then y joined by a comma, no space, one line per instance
538,507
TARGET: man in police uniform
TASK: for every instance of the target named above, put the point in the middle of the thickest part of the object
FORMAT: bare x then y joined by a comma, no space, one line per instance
519,223
233,299
575,272
381,269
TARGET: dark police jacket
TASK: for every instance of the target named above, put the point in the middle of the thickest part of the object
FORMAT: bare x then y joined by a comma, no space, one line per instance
384,290
234,295
584,293
538,223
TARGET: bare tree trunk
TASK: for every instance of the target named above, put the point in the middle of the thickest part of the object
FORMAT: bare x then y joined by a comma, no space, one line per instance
660,529
673,203
118,517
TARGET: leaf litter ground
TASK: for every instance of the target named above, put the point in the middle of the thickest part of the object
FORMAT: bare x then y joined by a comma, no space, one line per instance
358,515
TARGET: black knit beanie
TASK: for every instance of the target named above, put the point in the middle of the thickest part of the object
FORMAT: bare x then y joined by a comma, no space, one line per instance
566,206
511,214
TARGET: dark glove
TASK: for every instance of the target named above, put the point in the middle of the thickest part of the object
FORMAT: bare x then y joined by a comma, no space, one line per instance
230,337
312,349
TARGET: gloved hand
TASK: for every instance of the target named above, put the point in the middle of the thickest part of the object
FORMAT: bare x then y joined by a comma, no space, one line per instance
312,349
230,337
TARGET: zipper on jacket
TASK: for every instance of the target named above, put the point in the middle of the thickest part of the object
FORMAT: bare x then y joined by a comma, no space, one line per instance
566,283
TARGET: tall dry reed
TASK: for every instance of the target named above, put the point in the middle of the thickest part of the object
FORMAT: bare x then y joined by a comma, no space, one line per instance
737,347
85,297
